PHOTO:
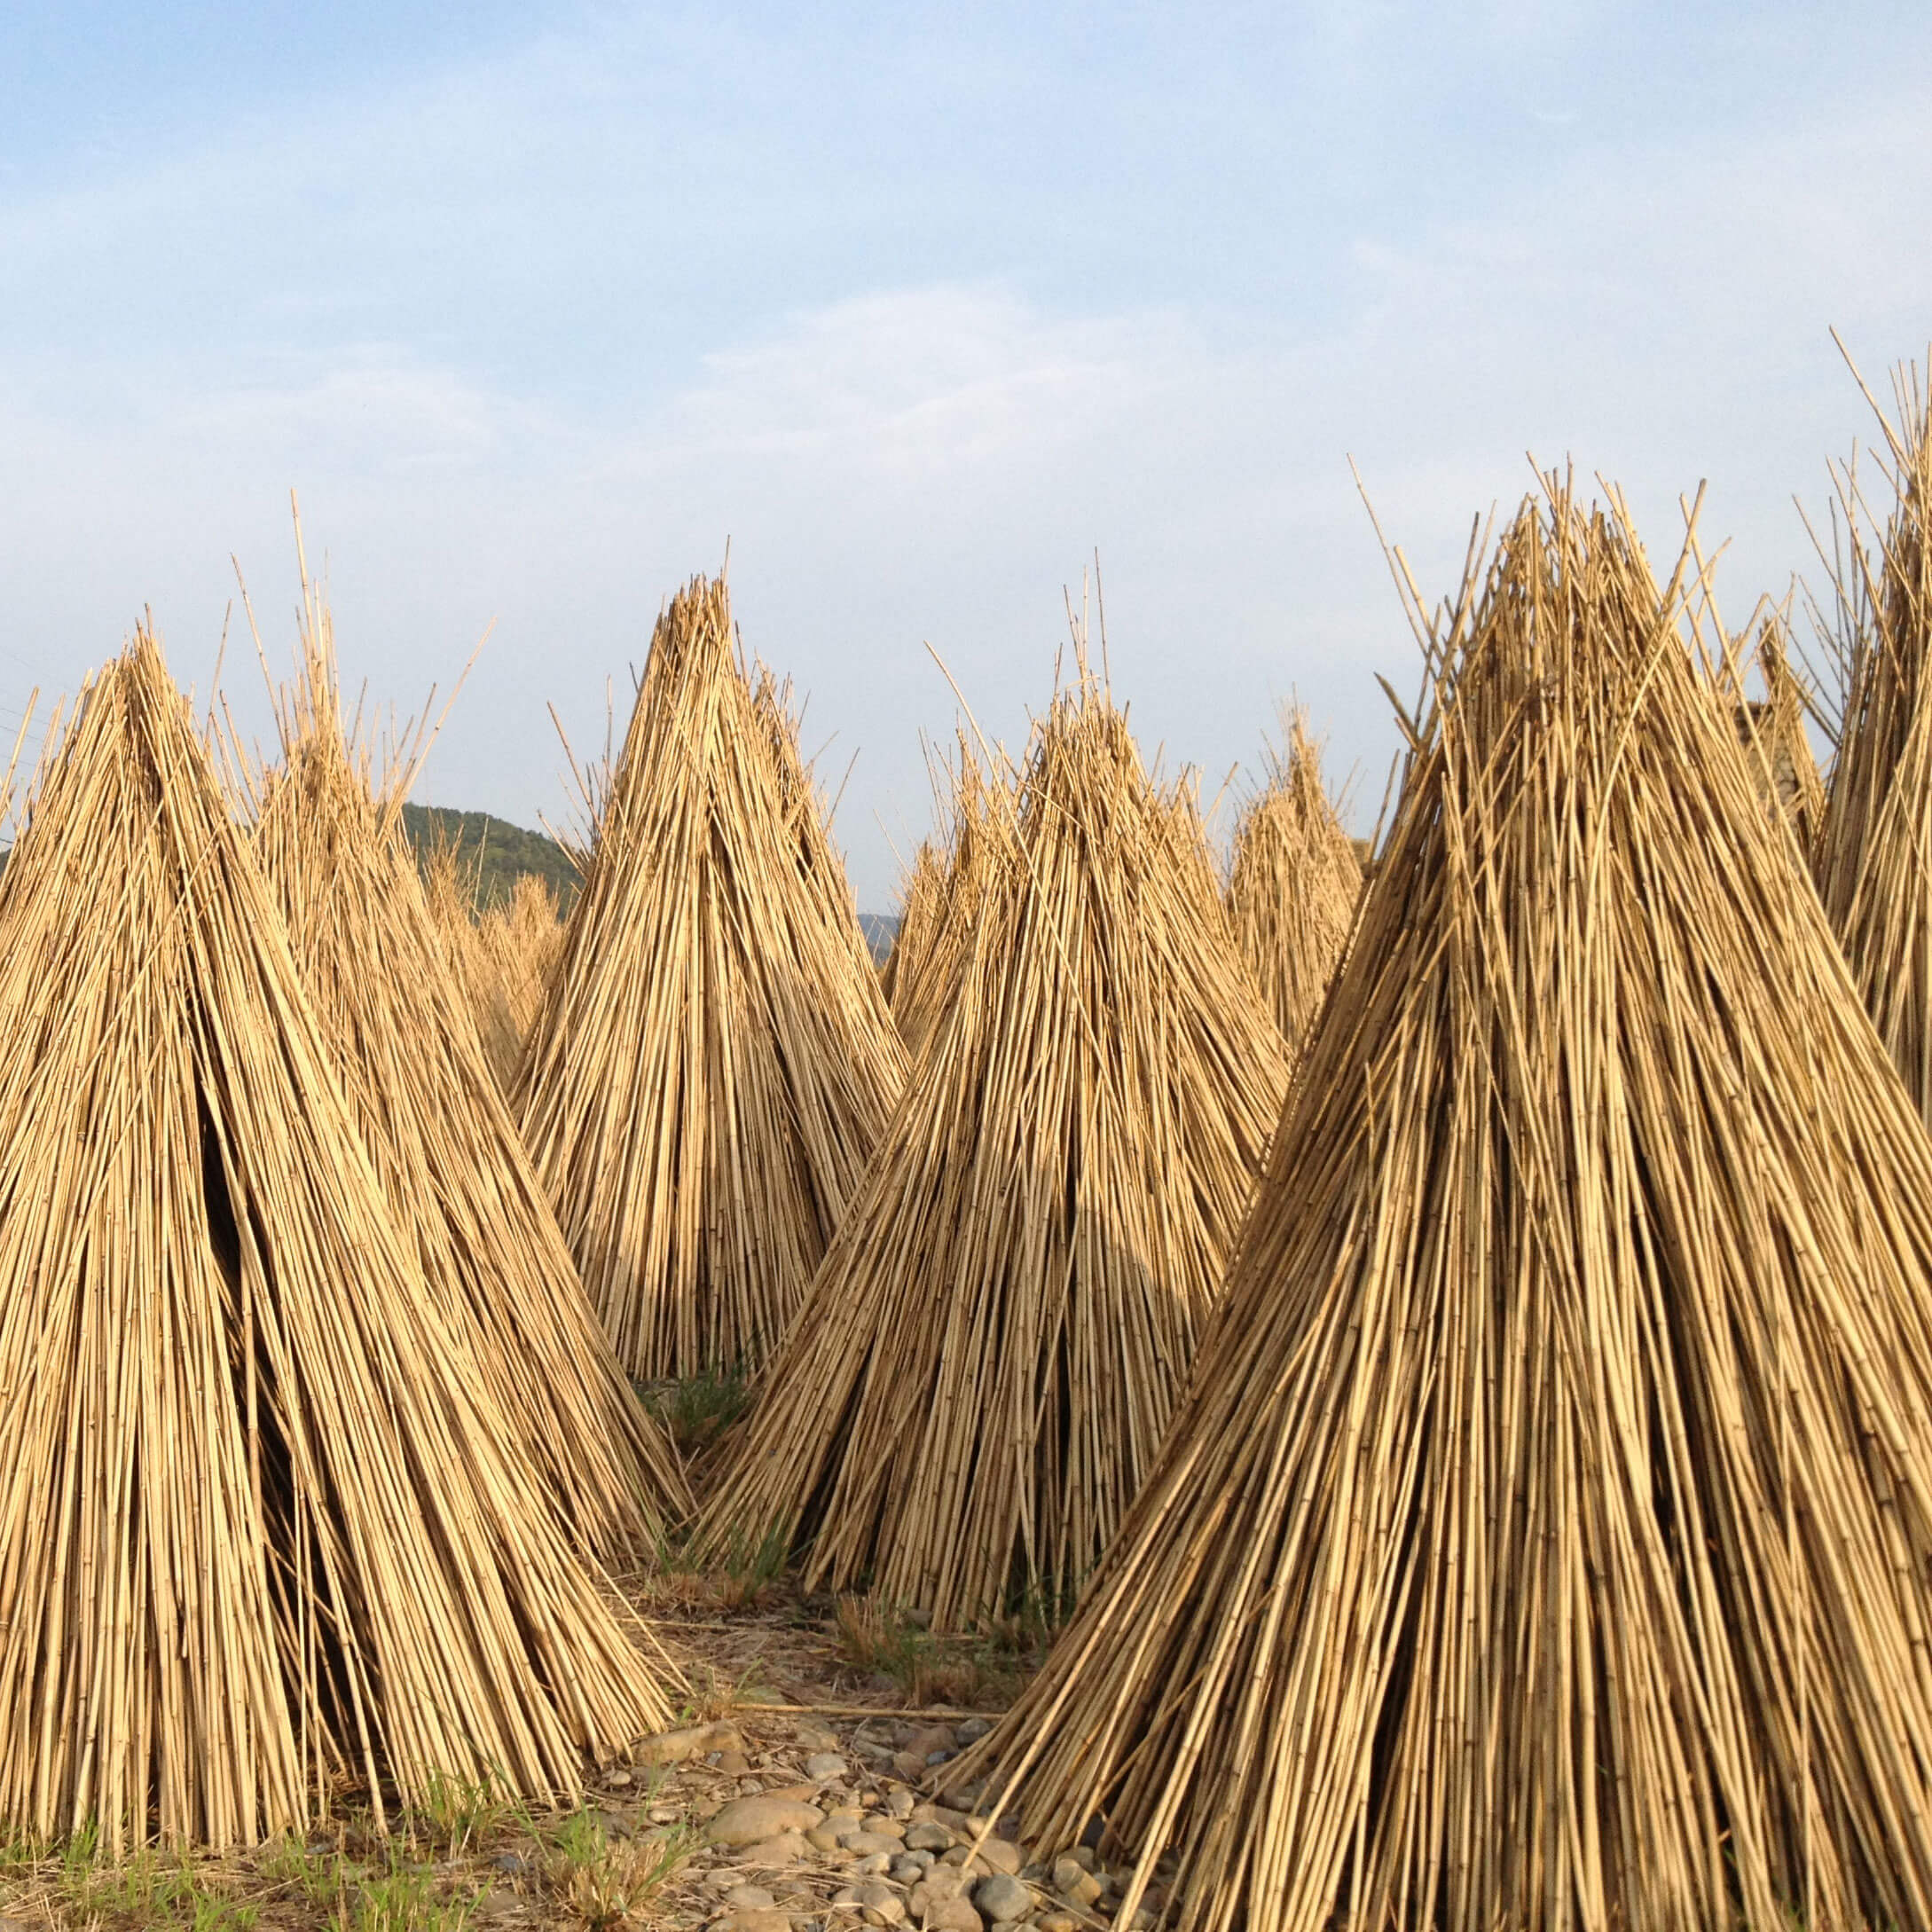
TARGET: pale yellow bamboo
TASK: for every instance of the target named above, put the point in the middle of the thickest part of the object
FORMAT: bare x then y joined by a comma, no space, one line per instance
964,1405
1293,883
713,1061
1542,1541
1870,859
262,1523
459,1180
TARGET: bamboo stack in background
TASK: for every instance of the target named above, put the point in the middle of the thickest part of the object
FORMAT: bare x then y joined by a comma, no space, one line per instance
458,1178
262,1526
943,901
990,1349
518,943
919,896
1872,859
1773,730
806,826
1293,883
449,890
1542,1543
714,1061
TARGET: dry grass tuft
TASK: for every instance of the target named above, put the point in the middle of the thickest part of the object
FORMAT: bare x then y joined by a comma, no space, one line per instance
603,1883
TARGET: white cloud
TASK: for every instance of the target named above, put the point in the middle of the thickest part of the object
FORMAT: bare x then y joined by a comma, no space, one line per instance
934,461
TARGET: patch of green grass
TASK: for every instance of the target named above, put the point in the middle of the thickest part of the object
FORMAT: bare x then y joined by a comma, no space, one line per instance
319,1878
80,1852
212,1914
405,1898
457,1813
749,1569
146,1888
698,1410
967,1673
19,1852
601,1882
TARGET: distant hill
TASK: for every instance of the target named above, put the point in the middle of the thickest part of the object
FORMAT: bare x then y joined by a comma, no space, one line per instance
880,929
500,852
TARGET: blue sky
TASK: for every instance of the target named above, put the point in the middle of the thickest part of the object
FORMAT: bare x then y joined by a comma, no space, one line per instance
918,306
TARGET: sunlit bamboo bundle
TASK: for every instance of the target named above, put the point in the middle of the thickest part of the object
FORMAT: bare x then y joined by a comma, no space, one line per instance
940,918
448,890
714,1062
1542,1540
1771,728
919,898
459,1180
518,944
807,825
1871,862
990,1349
262,1524
1293,883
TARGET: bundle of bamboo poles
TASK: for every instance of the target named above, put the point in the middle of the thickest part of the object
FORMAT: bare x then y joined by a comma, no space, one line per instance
919,898
1772,730
1293,883
714,1062
459,1180
939,917
450,894
990,1349
518,943
1542,1542
1871,858
500,958
263,1523
806,826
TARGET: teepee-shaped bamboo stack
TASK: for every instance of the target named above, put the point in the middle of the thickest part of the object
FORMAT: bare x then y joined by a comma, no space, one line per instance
945,897
1871,859
1542,1542
520,940
435,1124
990,1349
919,898
262,1522
805,827
714,1061
1771,730
1294,885
450,894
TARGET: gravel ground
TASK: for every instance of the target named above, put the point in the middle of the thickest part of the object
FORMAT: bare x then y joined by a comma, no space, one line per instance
795,1796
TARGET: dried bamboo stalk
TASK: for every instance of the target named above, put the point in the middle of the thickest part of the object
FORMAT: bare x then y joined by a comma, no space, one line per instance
990,1350
1293,883
515,954
714,1062
919,897
1871,858
943,905
261,1525
1542,1541
459,1181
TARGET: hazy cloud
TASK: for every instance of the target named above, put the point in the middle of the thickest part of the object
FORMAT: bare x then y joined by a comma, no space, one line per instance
543,390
